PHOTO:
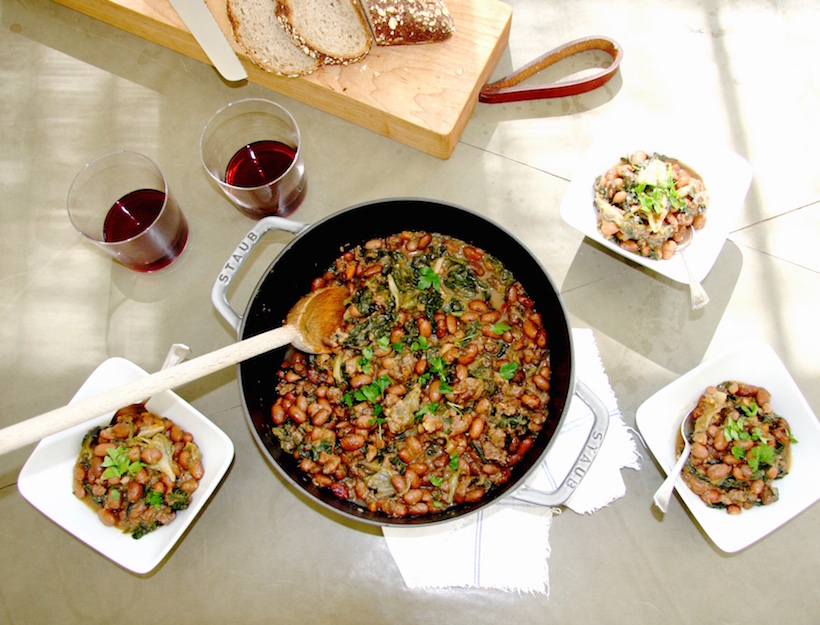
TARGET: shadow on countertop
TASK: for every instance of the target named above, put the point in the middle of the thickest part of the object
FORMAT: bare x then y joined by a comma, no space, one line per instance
645,311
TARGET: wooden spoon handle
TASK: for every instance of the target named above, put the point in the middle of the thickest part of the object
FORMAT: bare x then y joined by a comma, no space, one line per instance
31,430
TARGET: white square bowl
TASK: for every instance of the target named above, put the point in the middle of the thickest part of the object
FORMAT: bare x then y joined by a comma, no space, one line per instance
46,479
727,177
752,362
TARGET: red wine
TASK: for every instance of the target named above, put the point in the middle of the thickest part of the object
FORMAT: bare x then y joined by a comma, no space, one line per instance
259,163
135,213
132,214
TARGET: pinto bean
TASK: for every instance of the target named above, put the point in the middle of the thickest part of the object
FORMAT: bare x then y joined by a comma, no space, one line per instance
107,517
711,496
700,451
742,472
434,391
419,468
101,449
491,316
302,403
413,479
399,483
425,327
478,306
717,472
720,443
419,508
476,428
277,413
468,354
323,481
525,445
197,471
530,329
297,414
184,458
420,366
413,496
189,486
541,383
134,491
321,417
352,442
361,379
472,253
474,495
373,244
151,455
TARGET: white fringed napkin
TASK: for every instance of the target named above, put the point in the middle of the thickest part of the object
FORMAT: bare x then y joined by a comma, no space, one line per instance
506,545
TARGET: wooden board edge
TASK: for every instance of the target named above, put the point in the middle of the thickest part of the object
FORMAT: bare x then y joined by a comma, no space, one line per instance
162,33
177,38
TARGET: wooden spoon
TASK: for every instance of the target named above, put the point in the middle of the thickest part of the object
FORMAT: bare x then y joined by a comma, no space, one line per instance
309,323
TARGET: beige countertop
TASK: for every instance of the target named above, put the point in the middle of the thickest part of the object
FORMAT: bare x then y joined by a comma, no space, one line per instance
742,75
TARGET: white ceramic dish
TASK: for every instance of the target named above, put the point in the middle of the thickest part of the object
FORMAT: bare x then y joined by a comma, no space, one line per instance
46,479
752,362
726,175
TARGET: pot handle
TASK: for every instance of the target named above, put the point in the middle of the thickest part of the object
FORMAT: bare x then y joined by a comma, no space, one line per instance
587,454
219,292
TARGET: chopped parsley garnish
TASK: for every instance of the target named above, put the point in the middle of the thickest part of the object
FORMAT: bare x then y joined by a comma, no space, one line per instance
500,328
760,454
420,344
428,278
427,409
377,420
367,357
508,370
750,410
118,463
154,499
373,392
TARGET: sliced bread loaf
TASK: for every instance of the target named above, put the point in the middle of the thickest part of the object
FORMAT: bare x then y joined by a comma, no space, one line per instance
399,22
332,31
257,30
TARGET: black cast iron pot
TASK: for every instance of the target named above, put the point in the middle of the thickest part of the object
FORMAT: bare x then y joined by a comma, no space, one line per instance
307,256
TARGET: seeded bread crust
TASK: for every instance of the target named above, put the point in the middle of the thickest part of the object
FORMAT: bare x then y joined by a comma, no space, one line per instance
257,30
332,31
401,22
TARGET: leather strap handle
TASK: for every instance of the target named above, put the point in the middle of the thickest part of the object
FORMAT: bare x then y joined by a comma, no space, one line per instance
506,89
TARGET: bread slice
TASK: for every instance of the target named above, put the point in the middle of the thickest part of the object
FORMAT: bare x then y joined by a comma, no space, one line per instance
399,22
332,31
257,30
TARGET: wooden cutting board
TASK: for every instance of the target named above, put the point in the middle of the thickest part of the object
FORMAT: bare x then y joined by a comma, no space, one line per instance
421,95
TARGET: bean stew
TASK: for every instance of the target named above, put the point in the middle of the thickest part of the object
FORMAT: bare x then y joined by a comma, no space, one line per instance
138,472
739,448
437,384
645,204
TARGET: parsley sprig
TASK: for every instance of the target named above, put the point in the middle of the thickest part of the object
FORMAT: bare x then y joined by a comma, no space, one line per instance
428,278
375,391
117,463
507,370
